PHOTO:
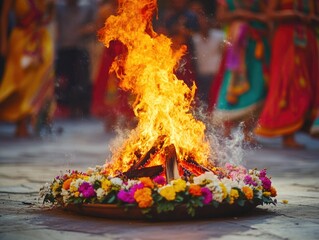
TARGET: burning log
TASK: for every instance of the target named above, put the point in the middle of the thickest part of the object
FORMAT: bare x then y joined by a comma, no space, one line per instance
139,169
147,156
144,172
171,170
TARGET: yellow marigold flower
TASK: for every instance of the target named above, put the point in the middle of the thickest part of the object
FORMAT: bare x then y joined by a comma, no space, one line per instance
231,201
55,186
143,197
273,192
67,183
285,201
168,193
224,189
179,185
147,182
248,192
73,188
106,184
266,194
84,177
234,193
195,190
76,194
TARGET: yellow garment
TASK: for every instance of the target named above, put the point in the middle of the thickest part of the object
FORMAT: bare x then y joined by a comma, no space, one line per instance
27,82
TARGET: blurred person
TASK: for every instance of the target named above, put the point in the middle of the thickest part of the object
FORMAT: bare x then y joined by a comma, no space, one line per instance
180,23
109,102
27,87
314,130
75,27
293,85
244,67
207,51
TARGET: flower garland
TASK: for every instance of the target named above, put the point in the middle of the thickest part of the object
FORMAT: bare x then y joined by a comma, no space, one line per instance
235,185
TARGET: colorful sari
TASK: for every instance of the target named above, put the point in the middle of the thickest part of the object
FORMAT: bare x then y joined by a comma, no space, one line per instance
293,87
27,87
242,76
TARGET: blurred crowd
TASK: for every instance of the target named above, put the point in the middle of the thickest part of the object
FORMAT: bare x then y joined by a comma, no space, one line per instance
254,62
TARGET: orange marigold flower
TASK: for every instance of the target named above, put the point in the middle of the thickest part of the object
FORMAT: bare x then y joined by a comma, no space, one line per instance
143,197
147,182
67,183
195,190
273,192
248,192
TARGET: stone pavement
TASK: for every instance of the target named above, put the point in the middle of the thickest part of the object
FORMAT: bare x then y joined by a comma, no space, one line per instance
25,165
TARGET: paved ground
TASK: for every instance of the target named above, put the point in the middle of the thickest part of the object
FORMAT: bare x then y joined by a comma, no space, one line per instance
25,165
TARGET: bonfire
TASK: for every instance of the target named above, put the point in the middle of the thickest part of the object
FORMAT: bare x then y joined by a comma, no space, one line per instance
167,161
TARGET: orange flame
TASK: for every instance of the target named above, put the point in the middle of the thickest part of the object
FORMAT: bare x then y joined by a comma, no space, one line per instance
163,102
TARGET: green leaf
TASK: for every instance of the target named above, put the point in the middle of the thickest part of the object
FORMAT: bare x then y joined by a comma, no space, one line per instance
111,199
241,202
215,204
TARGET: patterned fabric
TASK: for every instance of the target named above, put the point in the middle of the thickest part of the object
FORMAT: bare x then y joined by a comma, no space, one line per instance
294,78
27,85
245,66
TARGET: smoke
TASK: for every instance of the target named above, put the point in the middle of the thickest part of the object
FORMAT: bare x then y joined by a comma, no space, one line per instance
231,149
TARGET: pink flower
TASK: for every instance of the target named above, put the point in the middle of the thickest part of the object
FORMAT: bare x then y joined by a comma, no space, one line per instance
263,173
207,194
266,182
248,180
87,190
160,180
126,196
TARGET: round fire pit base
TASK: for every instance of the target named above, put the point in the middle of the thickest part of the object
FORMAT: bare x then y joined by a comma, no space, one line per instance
112,211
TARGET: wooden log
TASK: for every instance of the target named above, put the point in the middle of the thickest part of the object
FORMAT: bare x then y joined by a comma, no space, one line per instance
144,159
144,172
171,169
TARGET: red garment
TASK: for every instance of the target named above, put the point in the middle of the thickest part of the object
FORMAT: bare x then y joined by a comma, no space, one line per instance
293,86
108,99
217,82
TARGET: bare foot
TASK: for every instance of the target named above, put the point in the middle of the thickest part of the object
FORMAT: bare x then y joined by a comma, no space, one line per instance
22,130
290,142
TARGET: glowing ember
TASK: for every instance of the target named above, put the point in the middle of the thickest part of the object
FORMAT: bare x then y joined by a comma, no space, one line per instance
163,102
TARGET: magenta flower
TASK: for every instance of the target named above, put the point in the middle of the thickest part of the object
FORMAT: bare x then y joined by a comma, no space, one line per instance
159,180
126,196
87,190
248,180
263,173
266,182
207,194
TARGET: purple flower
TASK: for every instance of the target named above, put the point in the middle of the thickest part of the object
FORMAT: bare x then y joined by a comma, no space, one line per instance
207,194
87,190
248,180
263,173
135,187
159,180
266,182
126,196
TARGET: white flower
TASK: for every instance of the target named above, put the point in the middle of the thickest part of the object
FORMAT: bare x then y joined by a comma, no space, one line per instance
65,194
116,181
218,194
100,193
131,183
205,178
